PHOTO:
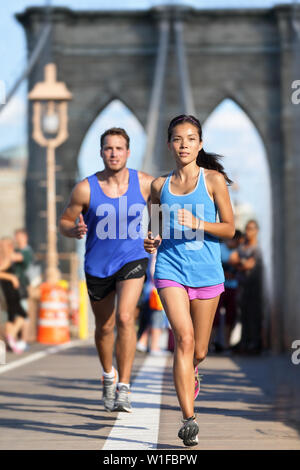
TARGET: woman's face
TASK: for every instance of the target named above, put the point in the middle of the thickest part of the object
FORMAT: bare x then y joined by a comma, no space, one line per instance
251,230
185,143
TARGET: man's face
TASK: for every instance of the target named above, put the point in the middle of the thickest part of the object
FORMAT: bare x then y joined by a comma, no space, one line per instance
115,152
21,239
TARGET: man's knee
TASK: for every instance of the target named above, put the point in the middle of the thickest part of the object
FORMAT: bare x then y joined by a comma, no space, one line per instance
125,319
104,329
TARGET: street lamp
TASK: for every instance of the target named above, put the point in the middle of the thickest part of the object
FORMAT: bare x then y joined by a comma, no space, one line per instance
50,118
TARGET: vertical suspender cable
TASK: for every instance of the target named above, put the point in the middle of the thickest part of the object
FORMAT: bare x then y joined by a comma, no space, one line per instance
187,101
156,94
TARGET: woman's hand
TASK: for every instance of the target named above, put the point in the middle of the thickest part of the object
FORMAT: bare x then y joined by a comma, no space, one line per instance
248,263
186,218
151,244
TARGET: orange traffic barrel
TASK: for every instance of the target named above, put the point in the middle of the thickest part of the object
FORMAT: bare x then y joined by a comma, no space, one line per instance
74,306
53,322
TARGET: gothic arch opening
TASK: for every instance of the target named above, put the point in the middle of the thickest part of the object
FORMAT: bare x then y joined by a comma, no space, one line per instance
229,131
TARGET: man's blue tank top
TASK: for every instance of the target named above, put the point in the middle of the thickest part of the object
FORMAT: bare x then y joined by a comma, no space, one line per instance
114,235
190,257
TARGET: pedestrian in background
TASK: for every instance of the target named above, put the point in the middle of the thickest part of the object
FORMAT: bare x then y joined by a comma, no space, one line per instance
10,285
228,299
22,259
150,336
249,263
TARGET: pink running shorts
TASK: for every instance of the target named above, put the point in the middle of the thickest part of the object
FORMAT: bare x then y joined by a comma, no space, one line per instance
193,292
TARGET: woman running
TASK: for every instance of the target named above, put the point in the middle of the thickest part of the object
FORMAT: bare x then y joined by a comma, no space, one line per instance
188,272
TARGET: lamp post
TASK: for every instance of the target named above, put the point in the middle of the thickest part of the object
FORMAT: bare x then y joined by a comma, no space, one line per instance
50,117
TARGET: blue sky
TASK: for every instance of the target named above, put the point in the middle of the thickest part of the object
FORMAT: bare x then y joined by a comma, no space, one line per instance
245,160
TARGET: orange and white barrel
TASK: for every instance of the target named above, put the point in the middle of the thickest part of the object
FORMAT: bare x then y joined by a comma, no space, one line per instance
53,322
74,306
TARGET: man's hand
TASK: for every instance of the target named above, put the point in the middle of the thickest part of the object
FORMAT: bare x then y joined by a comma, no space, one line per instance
78,203
80,228
151,244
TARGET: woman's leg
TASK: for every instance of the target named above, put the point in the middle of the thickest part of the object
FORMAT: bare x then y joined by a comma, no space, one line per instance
202,313
177,307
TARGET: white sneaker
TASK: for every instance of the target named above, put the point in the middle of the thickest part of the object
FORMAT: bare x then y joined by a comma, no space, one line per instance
12,343
140,347
22,345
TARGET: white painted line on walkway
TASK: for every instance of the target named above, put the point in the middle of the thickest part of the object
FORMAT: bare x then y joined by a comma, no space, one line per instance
139,429
39,355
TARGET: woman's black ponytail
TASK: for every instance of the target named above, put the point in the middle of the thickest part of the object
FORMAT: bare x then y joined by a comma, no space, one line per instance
210,161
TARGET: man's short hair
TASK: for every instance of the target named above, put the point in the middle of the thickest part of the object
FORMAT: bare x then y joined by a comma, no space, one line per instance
21,230
115,131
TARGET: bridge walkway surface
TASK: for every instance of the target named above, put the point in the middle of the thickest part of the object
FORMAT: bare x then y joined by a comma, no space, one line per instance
50,398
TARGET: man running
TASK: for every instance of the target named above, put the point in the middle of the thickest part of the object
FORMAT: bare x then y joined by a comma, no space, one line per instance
109,206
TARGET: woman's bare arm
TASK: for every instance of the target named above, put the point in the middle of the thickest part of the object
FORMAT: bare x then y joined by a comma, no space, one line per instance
153,240
226,227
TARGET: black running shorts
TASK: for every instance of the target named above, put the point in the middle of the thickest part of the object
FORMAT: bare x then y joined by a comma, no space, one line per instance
98,288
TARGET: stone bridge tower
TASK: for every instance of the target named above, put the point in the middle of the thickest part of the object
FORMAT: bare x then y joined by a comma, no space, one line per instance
161,62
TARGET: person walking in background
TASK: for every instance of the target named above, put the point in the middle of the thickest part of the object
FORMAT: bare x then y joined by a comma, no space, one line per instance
248,261
112,202
22,259
228,298
156,317
188,271
10,285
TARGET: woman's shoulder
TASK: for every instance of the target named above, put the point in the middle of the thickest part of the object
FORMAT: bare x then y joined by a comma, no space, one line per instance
157,184
214,181
213,175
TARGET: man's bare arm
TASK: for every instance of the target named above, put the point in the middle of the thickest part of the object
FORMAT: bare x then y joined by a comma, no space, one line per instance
78,203
145,185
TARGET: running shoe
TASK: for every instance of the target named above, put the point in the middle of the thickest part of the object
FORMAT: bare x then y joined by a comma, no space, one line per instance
13,345
141,347
188,431
109,391
22,345
122,402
